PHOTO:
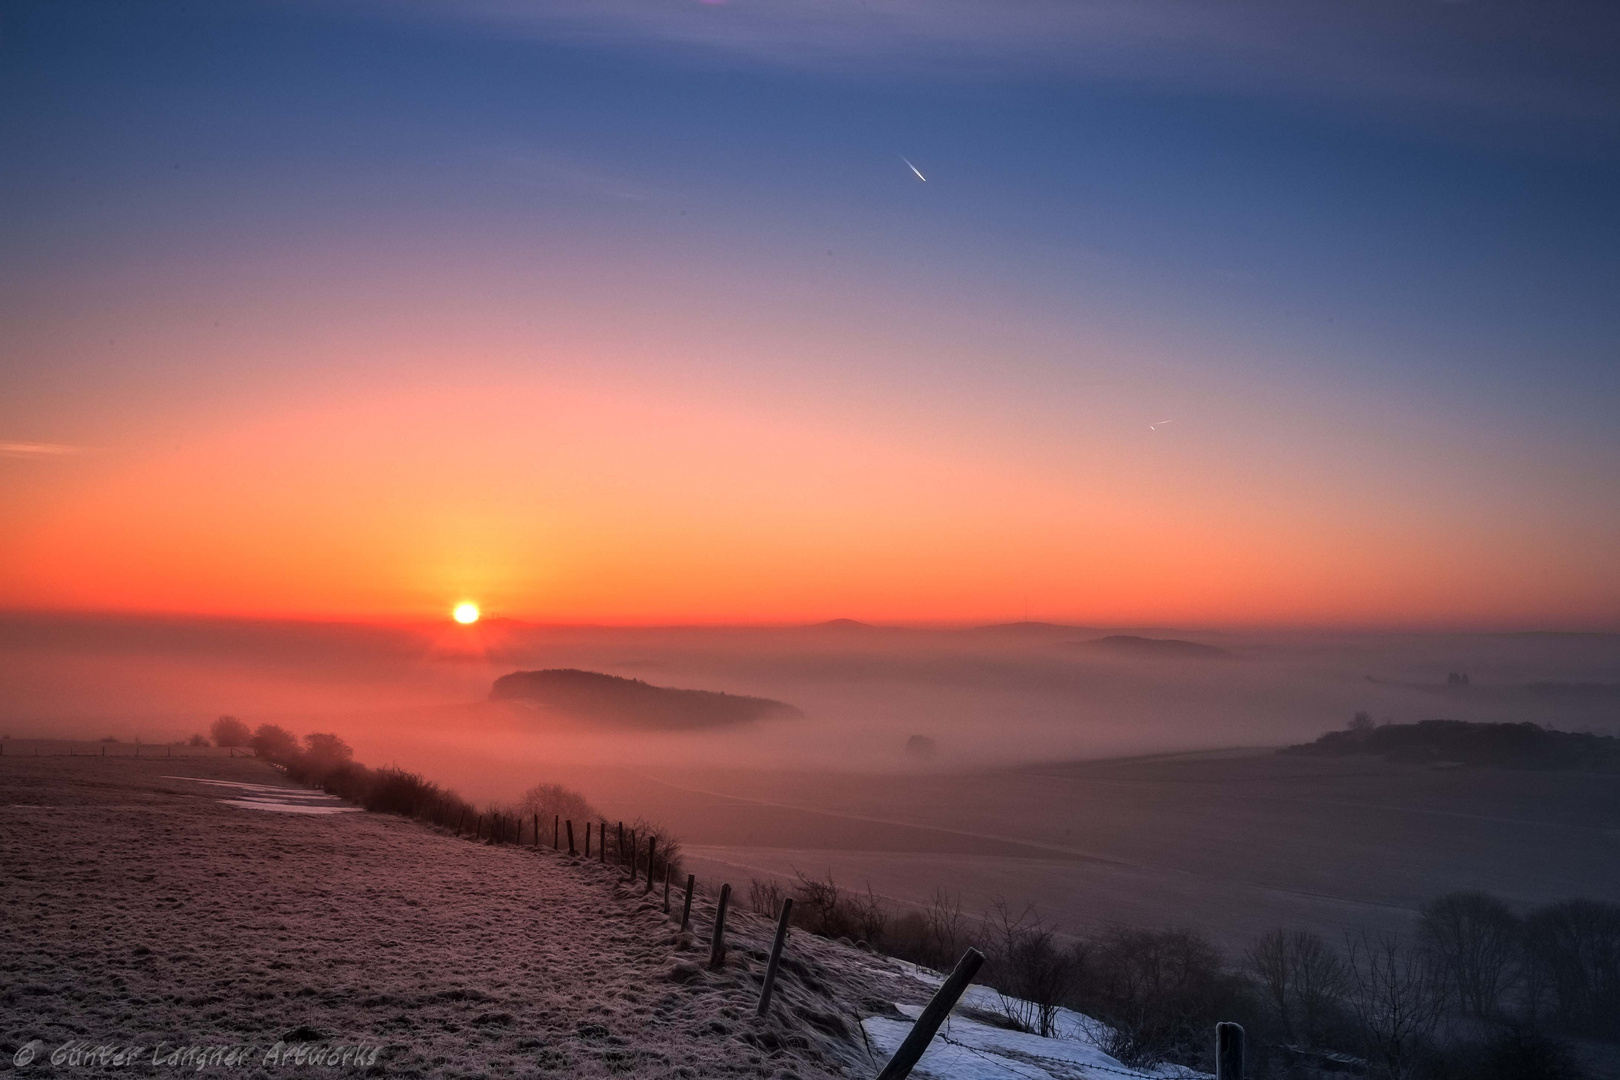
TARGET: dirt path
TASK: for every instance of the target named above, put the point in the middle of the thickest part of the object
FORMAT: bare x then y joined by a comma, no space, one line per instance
143,909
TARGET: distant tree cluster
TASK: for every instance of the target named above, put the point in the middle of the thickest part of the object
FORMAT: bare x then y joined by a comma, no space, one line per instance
1510,746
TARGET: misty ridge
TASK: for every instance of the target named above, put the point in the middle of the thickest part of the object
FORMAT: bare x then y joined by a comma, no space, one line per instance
608,699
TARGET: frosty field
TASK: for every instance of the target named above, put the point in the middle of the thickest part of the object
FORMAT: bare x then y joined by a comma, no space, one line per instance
169,904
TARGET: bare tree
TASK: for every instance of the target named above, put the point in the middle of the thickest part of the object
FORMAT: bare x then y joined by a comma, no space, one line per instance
821,906
1270,962
1574,956
1475,939
554,800
1396,996
765,897
1319,980
945,925
868,917
1031,970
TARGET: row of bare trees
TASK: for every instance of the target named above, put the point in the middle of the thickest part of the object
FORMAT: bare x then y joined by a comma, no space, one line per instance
1474,991
1557,965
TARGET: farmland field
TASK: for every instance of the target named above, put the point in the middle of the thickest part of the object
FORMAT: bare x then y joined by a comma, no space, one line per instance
1233,843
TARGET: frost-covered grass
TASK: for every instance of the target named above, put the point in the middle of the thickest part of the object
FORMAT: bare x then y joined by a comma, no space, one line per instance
141,908
148,904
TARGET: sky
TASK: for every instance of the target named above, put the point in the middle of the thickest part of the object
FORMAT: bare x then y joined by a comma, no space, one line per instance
636,312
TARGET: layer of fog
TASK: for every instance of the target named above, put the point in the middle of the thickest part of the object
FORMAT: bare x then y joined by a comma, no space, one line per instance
416,695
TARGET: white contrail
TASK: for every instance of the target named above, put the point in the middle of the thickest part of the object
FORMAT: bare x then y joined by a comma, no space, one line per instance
1155,426
914,169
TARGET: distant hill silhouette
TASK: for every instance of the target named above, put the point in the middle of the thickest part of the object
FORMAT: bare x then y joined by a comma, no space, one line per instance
609,699
1162,648
841,624
1510,746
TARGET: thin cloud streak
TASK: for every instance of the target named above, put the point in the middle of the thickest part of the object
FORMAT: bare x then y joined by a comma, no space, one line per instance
37,450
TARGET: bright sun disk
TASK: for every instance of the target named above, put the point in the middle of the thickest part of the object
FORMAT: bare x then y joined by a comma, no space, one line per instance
466,614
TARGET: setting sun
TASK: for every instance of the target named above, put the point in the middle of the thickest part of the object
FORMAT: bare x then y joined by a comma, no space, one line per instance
466,614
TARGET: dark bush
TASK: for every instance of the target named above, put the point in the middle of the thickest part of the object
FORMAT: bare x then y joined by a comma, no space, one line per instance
275,743
229,731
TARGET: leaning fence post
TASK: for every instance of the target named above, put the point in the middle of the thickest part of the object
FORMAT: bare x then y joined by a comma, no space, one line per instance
717,939
1228,1051
462,820
571,836
601,848
686,908
652,849
776,957
933,1015
668,870
632,856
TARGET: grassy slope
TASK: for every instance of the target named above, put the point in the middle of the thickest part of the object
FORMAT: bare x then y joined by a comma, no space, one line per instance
141,909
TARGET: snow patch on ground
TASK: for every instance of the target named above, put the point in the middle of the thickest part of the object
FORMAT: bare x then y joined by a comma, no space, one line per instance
272,797
969,1049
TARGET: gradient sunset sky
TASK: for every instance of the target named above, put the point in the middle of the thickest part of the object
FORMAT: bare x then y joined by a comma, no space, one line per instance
633,310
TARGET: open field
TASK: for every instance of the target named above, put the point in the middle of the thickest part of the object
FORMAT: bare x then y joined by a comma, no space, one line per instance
158,901
1233,843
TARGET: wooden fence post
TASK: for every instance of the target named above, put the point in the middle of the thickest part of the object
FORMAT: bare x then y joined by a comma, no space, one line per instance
933,1015
478,828
556,841
587,840
462,820
652,850
621,843
717,939
571,836
1228,1051
668,870
632,851
536,830
601,834
686,908
776,957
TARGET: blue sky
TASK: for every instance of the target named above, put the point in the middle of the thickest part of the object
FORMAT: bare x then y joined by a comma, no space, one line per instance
1378,239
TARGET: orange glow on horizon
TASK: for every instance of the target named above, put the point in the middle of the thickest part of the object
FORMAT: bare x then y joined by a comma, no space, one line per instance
579,503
